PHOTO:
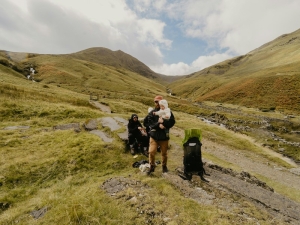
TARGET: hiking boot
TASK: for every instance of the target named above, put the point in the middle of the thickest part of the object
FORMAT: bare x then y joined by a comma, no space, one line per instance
151,170
165,169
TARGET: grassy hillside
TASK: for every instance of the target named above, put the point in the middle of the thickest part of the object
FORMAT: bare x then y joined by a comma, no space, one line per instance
267,77
87,77
63,170
116,59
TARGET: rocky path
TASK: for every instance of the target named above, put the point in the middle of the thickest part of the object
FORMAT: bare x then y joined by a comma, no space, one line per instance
254,164
100,106
243,184
225,183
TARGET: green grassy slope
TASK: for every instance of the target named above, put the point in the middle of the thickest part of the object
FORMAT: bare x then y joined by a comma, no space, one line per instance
63,170
88,77
266,77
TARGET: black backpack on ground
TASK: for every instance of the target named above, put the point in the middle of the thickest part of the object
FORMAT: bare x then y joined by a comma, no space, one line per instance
192,159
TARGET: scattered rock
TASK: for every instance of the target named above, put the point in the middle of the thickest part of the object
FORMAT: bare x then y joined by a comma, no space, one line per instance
121,120
39,213
133,200
91,125
123,136
17,128
111,123
102,135
295,171
115,185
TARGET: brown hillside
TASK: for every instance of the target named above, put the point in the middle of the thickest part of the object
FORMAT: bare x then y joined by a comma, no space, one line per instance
266,77
116,59
90,70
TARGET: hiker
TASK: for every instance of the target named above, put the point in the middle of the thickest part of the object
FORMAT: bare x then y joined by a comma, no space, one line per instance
136,133
146,121
164,112
158,136
146,125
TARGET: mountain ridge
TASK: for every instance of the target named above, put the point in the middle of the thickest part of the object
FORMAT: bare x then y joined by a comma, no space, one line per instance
118,59
267,77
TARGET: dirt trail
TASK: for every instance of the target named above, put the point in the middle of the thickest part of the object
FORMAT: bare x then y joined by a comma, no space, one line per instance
253,164
223,184
228,181
100,106
267,150
250,162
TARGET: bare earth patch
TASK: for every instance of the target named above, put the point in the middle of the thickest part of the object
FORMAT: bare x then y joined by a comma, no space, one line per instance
100,106
224,185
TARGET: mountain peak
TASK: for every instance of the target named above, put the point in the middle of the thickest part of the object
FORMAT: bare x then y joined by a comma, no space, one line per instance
118,59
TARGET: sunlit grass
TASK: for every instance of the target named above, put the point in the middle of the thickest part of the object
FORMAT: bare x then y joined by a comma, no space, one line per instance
63,170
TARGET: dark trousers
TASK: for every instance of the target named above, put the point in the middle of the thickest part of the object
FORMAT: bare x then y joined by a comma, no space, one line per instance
144,140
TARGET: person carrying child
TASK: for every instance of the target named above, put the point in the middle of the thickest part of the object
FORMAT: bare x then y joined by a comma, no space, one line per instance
158,136
164,112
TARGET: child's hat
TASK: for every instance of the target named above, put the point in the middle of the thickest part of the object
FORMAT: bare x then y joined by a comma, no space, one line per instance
164,103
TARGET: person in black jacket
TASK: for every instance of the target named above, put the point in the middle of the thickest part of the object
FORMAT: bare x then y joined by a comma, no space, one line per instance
158,136
136,133
146,125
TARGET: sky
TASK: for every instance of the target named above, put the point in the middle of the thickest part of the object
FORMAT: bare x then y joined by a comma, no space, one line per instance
172,37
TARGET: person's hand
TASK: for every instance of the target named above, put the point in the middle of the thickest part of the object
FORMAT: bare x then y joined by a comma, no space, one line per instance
161,126
139,128
160,120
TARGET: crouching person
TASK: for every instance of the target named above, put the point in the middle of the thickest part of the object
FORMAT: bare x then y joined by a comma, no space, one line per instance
136,133
158,136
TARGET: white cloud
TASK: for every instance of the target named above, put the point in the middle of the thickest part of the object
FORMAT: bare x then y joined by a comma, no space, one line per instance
240,25
235,26
262,22
138,27
172,69
152,30
149,6
55,27
141,5
184,69
205,61
159,4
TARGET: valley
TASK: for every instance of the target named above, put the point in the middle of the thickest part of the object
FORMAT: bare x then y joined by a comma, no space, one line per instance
61,164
